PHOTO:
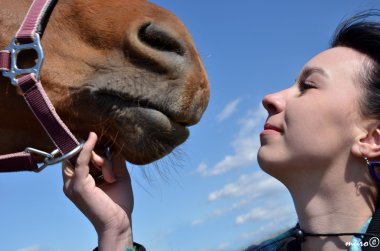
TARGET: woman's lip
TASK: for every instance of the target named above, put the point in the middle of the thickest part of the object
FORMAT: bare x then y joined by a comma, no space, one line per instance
270,129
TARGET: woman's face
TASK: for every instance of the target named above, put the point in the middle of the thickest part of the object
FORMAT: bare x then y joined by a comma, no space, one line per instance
316,120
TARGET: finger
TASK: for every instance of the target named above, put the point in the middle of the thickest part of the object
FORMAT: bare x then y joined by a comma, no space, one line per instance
97,159
106,167
82,167
67,172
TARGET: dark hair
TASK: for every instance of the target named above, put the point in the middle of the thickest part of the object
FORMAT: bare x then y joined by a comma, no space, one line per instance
362,33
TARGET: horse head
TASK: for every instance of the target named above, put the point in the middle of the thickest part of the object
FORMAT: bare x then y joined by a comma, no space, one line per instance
125,69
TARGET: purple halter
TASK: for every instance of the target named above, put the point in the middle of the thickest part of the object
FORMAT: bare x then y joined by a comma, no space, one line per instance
67,146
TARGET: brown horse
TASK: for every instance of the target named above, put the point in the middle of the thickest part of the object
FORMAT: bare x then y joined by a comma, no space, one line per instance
126,69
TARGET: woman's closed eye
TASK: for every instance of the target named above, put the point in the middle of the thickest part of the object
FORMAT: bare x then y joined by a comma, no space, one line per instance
304,86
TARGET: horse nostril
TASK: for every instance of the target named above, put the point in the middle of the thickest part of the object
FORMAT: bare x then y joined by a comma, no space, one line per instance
156,37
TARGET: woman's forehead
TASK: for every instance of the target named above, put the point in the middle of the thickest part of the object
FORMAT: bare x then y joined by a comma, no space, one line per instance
337,60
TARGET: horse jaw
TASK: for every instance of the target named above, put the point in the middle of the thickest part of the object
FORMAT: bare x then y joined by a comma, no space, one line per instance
130,73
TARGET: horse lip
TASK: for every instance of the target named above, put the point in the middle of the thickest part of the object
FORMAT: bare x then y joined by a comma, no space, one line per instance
140,103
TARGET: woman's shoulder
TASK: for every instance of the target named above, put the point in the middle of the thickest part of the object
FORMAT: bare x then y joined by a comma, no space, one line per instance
272,244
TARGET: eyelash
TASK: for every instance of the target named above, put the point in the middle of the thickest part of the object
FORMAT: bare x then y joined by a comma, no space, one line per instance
303,86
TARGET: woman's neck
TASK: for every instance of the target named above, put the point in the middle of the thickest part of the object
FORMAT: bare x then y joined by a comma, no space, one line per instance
333,204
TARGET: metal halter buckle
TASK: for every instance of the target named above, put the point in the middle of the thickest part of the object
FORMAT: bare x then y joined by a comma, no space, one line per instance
14,48
53,157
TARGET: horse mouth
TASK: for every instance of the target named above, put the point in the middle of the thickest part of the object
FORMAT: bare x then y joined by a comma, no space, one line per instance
121,101
140,130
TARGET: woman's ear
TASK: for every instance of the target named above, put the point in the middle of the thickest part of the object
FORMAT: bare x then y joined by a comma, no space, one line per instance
367,144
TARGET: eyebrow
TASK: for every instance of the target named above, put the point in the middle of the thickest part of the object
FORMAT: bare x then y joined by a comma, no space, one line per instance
307,71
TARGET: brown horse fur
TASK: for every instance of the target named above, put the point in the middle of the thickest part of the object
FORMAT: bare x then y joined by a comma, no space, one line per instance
126,69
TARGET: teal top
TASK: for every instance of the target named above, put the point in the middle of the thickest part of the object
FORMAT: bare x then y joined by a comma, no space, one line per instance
356,242
271,244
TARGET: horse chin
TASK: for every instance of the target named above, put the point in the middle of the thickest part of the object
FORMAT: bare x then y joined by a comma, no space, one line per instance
144,135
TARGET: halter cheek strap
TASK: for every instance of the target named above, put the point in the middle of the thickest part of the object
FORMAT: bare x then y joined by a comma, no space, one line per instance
35,21
27,37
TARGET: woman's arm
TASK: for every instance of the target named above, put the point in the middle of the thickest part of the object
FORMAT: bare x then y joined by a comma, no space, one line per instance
109,205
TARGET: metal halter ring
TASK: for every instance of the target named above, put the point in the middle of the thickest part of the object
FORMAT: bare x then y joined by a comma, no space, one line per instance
14,48
52,158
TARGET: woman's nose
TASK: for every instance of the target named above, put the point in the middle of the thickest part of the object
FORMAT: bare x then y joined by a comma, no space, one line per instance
274,103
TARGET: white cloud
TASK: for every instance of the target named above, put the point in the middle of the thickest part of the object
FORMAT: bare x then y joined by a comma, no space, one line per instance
248,188
202,169
197,222
221,247
255,214
32,248
228,110
251,185
265,213
245,146
271,212
278,218
222,211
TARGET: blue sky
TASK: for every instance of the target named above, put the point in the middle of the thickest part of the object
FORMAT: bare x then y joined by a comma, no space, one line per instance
210,195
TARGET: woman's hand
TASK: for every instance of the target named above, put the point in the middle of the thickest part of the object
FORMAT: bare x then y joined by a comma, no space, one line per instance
108,206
